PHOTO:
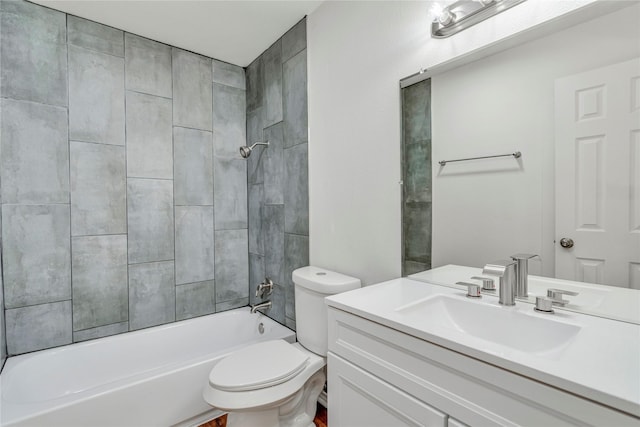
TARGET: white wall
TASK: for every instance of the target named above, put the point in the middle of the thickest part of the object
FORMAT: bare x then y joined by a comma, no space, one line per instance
504,103
357,53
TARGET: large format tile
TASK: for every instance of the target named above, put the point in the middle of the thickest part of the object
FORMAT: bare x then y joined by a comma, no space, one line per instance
192,94
36,254
416,226
417,171
254,78
100,331
255,202
416,112
33,55
278,304
192,152
273,229
149,136
294,89
231,304
100,294
96,97
195,299
296,255
228,74
147,66
38,327
232,265
296,190
255,168
273,165
294,40
94,36
98,189
229,121
152,295
230,193
256,275
273,84
150,219
194,244
35,153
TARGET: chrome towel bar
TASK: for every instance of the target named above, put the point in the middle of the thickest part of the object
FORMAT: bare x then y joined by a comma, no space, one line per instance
515,155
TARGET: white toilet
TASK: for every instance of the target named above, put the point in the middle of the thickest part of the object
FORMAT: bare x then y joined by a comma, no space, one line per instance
274,383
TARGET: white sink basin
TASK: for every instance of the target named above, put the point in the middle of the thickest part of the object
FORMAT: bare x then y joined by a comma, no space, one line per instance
528,332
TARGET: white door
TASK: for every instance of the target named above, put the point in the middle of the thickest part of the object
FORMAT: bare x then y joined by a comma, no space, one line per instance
597,116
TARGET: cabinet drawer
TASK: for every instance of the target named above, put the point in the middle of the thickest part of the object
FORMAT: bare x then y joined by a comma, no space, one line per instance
469,390
357,398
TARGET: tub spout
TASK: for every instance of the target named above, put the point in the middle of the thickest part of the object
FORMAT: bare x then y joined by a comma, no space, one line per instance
256,307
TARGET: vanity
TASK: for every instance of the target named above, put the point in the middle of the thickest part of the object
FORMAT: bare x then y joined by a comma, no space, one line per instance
406,352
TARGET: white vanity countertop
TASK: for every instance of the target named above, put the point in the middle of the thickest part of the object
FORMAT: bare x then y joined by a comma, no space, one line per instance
611,302
601,362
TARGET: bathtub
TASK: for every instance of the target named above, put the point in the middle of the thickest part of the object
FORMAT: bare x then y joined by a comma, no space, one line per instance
152,377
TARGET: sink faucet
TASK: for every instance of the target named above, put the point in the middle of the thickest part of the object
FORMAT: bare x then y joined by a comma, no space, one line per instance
506,271
256,307
522,273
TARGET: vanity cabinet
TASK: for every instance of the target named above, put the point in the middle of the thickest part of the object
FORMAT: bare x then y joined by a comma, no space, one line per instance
378,376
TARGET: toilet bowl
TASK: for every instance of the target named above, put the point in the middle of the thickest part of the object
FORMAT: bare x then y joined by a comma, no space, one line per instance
274,383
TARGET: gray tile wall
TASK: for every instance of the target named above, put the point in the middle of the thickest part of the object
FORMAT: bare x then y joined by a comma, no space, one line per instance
416,171
278,205
124,199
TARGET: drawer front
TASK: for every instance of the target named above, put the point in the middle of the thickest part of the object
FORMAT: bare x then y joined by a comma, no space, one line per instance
357,398
469,390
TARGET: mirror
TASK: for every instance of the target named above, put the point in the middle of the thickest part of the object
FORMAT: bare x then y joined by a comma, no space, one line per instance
516,101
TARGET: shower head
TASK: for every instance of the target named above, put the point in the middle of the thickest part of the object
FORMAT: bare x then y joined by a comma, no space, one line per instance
245,151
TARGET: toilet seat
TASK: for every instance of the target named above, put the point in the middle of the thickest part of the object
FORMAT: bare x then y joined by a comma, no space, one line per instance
265,364
266,396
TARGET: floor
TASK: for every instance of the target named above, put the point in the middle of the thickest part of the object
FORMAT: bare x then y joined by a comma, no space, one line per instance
319,421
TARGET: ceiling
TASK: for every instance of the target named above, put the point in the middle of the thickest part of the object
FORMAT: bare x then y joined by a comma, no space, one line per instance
232,31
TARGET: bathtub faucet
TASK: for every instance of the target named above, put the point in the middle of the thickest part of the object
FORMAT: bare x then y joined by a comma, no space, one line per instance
256,307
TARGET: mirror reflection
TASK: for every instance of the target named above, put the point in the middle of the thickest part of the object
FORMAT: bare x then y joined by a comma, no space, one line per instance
569,102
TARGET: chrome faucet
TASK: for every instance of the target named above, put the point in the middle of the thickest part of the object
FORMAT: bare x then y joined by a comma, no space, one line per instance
506,271
522,273
256,307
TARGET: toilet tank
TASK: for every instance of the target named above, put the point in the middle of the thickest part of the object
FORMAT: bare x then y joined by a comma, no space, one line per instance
312,285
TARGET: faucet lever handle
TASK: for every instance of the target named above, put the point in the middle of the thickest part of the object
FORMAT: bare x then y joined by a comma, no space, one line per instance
265,288
473,290
556,296
487,283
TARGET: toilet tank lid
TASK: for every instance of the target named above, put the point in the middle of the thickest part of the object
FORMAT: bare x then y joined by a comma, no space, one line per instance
324,281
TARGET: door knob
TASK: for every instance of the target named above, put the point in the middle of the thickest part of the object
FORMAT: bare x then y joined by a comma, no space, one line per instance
566,242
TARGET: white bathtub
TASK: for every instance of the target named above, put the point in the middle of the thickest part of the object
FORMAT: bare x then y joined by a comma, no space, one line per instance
152,377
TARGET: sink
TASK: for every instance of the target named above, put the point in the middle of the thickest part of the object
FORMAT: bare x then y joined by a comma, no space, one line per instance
476,319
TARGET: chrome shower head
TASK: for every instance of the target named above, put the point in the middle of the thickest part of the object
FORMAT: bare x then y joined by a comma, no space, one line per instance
245,151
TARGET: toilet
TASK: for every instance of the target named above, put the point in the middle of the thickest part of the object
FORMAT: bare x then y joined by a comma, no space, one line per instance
274,383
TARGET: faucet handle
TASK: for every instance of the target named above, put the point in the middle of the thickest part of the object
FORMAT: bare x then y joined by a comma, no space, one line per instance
487,283
473,290
544,305
265,288
556,296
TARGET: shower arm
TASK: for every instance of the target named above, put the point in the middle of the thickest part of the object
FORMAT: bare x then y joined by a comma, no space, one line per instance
260,143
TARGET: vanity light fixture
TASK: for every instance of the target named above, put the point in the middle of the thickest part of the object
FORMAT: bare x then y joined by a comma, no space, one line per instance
464,13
